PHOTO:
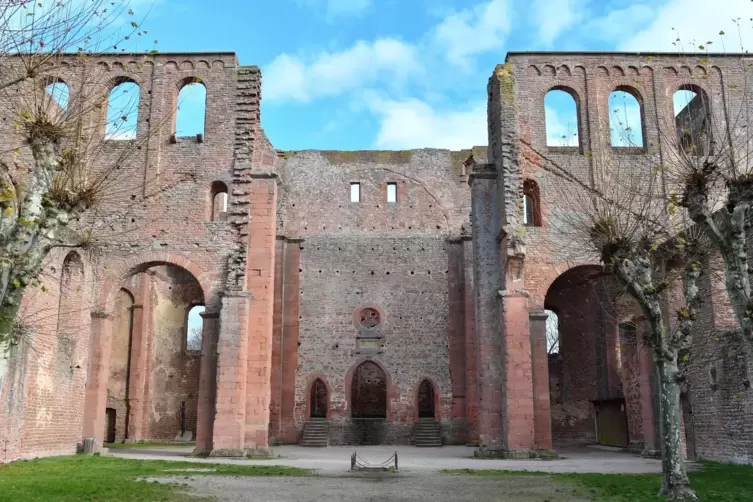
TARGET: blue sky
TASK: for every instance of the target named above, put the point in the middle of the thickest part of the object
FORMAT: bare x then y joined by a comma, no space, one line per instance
395,74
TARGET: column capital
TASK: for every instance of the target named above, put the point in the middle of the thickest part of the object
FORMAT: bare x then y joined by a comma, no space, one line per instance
209,315
538,314
101,314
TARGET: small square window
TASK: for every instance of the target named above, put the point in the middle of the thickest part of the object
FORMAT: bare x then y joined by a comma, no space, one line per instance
391,192
355,192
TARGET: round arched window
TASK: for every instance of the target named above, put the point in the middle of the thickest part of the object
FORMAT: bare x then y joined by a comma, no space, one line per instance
370,318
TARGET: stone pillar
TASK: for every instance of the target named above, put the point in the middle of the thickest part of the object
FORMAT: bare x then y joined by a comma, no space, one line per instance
542,411
648,417
228,434
207,382
517,406
486,279
96,385
456,318
471,375
289,346
137,375
260,267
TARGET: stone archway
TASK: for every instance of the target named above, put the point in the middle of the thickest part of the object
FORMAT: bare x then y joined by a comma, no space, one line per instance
426,396
368,393
319,399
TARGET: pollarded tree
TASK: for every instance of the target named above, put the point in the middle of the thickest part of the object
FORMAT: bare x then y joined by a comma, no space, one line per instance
709,172
53,165
621,219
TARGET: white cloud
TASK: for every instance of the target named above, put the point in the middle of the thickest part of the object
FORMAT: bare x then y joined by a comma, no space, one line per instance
618,25
415,124
464,34
555,16
696,22
387,61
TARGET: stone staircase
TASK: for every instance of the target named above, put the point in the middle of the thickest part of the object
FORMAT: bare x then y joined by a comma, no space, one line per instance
315,433
427,433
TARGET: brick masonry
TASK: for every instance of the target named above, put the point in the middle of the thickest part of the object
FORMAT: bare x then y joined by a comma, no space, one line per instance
287,270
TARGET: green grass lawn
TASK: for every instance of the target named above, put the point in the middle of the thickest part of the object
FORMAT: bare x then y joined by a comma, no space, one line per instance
88,478
715,483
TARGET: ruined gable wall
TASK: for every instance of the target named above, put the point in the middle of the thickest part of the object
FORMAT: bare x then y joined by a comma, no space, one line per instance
393,257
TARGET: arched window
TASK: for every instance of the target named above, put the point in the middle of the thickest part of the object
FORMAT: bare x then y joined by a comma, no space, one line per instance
219,200
531,204
195,329
552,333
625,120
691,120
191,109
561,116
58,94
123,111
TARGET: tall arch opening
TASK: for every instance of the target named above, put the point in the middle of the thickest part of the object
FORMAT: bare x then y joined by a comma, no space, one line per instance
586,383
191,109
123,111
154,376
368,393
318,399
561,118
625,119
426,407
691,110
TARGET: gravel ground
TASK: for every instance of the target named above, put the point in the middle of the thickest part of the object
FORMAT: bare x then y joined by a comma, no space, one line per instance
381,488
335,460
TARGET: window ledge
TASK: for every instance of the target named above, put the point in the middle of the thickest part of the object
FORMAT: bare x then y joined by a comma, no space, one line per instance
568,150
629,150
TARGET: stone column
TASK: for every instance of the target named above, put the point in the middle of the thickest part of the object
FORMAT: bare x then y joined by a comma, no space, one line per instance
471,375
260,267
542,411
207,382
137,375
486,278
232,366
289,345
517,406
96,386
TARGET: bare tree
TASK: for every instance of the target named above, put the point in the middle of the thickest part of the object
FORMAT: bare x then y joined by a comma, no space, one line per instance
709,174
58,161
621,219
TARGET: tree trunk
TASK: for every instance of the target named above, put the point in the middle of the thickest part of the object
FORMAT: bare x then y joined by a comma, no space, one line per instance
675,484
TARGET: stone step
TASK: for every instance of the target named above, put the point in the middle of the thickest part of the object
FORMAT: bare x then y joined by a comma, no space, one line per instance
427,433
315,433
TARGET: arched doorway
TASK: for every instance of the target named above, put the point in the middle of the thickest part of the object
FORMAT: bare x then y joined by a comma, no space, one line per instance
368,392
586,378
426,400
318,399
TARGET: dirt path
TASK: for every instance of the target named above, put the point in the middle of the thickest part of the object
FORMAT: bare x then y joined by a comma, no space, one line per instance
383,488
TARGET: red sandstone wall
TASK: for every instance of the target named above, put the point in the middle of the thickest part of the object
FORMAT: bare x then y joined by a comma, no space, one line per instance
393,257
160,213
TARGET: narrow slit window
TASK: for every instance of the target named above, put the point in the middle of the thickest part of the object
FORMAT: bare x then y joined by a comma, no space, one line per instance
355,192
195,329
391,192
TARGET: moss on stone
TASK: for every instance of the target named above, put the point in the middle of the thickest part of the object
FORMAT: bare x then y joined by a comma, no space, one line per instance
369,156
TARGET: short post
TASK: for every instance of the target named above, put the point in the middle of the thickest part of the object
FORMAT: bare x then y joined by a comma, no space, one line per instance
353,462
396,461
